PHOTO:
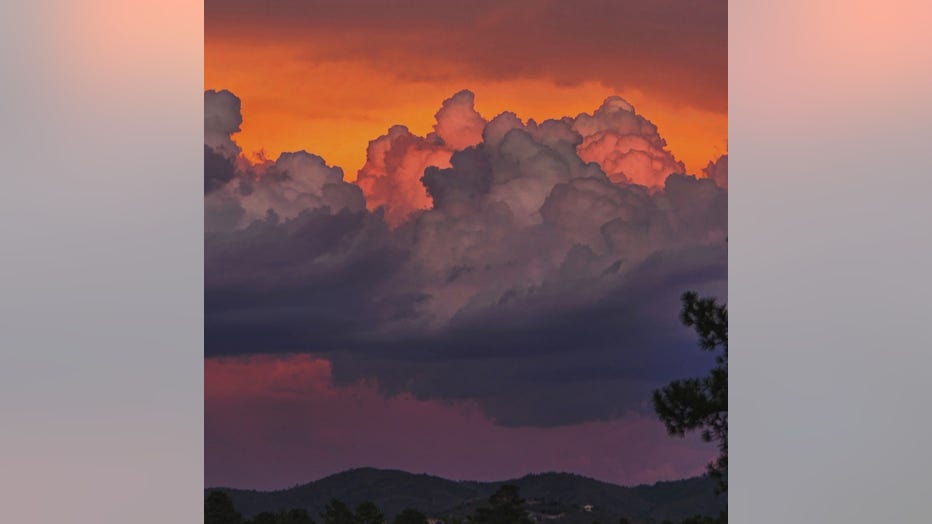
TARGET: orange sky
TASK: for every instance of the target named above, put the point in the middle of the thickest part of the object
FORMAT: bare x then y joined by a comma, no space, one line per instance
329,88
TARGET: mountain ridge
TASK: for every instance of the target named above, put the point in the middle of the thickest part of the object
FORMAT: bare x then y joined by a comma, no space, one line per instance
552,493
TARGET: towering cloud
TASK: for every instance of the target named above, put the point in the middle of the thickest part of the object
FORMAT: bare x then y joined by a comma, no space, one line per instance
522,276
625,144
396,161
459,125
222,118
394,164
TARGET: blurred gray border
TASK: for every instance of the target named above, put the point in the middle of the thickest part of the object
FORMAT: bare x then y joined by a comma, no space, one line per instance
101,261
101,282
830,249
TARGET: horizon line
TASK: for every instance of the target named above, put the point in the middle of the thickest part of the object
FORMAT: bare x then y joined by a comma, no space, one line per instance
424,474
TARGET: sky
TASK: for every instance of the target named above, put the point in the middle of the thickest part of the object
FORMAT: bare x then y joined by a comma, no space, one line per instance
330,76
451,239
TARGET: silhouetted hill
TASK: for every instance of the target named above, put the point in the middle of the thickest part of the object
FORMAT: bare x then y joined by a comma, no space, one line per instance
546,494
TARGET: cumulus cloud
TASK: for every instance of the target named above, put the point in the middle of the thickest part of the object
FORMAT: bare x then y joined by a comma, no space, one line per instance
718,171
528,279
459,125
295,182
625,144
222,118
239,192
396,161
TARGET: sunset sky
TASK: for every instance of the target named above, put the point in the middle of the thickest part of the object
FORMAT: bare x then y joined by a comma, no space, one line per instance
330,76
508,313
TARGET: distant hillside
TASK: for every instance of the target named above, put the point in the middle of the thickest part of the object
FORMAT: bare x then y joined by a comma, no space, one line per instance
550,494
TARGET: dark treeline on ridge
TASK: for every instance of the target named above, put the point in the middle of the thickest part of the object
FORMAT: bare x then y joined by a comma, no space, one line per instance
505,506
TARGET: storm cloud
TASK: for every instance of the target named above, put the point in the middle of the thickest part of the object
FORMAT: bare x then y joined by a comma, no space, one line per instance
533,268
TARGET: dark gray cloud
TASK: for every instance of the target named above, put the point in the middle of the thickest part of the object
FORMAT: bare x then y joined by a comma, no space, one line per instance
571,350
218,169
310,283
534,284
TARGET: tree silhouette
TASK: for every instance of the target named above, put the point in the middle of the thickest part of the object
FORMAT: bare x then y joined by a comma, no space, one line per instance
295,516
336,512
266,517
703,519
218,509
368,513
505,507
410,516
702,403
